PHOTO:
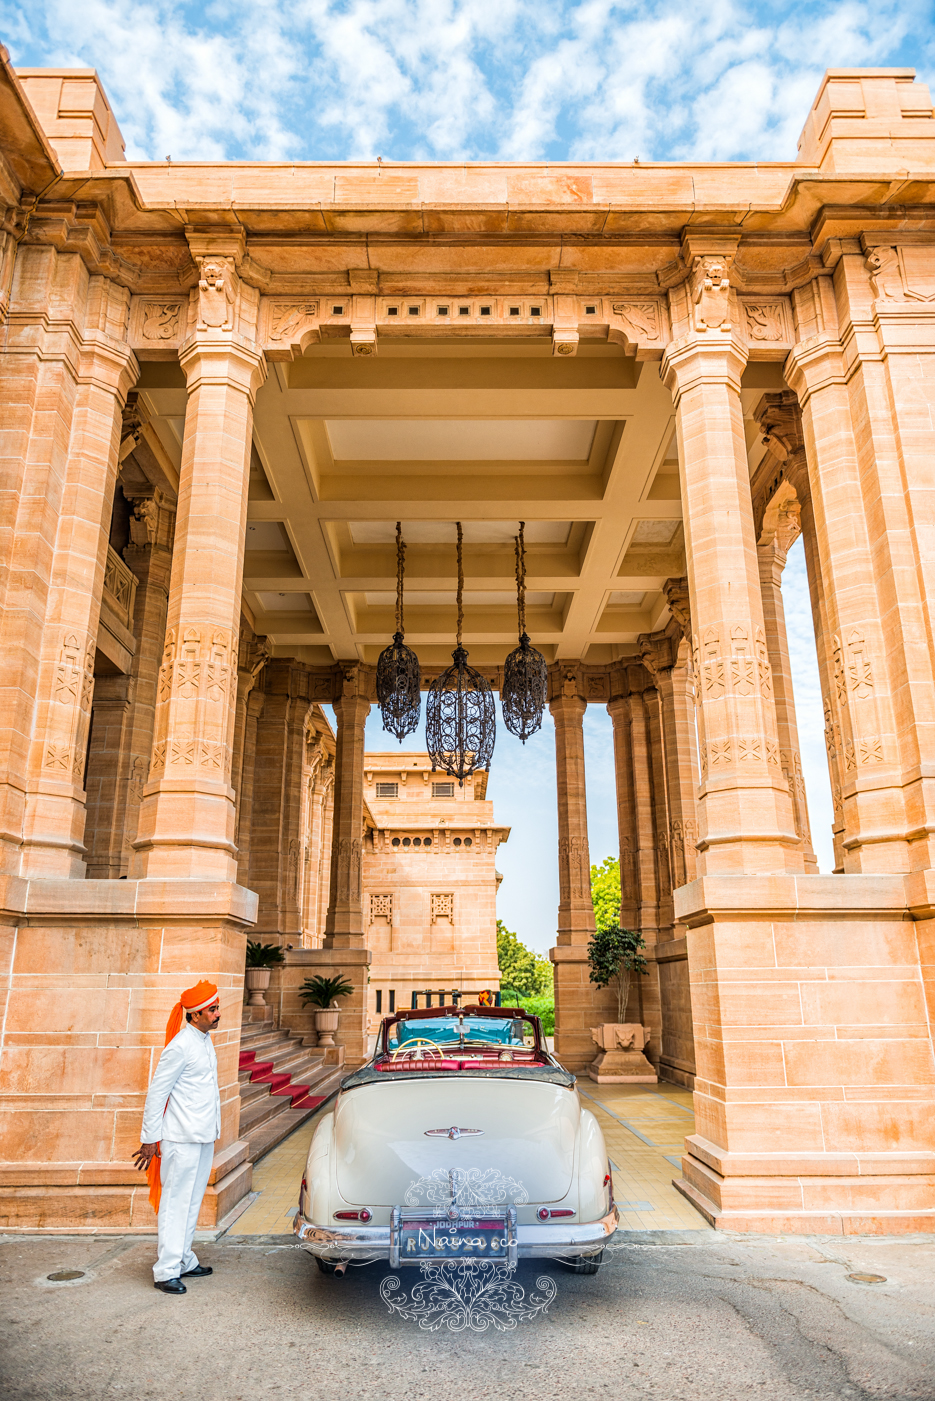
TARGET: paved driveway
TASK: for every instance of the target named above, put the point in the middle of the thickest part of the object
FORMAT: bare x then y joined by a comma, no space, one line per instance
693,1315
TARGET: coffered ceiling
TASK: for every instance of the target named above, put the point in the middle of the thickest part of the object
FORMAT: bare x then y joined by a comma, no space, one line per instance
486,433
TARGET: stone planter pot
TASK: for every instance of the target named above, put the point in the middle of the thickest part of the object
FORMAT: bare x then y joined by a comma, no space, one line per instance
257,980
621,1059
326,1024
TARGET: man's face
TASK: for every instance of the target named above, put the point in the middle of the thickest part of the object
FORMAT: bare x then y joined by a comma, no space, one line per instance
208,1018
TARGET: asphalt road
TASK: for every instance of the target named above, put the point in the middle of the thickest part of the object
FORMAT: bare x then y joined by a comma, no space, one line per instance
701,1315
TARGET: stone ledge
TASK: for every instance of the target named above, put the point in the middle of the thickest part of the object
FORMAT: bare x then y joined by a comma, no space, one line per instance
783,1165
785,897
808,1223
116,1174
122,899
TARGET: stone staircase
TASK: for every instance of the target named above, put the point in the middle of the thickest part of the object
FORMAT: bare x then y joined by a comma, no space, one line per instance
282,1082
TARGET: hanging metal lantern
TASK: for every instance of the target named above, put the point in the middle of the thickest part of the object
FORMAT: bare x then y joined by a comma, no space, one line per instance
525,672
460,716
399,693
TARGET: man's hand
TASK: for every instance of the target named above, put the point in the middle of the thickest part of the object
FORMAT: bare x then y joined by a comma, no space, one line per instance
144,1155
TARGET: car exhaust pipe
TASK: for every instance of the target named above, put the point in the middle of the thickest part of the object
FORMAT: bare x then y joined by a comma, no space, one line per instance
340,1267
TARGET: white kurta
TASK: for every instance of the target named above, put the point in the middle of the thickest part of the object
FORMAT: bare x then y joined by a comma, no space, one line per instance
182,1115
183,1103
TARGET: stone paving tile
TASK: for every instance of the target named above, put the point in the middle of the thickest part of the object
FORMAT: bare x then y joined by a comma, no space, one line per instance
276,1179
642,1171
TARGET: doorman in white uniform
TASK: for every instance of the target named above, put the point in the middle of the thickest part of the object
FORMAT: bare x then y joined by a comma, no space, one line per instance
181,1121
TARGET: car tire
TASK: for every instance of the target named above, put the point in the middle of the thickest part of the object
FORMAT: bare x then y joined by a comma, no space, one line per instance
585,1264
327,1267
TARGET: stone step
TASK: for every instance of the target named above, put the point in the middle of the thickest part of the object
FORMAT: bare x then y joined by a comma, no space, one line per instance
271,1042
292,1054
257,1113
267,1133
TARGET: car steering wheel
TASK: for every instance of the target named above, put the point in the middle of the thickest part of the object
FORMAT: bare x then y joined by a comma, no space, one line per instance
417,1041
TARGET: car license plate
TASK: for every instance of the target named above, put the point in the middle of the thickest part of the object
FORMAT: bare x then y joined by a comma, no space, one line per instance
467,1238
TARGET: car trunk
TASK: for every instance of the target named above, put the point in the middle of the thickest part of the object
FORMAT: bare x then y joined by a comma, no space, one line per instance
529,1133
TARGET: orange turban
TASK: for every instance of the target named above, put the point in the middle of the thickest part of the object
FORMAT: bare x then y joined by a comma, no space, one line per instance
191,1000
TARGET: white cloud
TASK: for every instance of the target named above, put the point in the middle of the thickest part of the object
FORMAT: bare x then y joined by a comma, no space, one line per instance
464,79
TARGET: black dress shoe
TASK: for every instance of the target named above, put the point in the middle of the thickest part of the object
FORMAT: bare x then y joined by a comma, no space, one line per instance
171,1286
199,1272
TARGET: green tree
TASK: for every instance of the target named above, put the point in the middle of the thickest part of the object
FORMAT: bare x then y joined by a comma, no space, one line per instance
605,893
521,970
614,956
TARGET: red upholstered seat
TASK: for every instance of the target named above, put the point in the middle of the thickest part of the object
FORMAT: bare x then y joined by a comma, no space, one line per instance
432,1064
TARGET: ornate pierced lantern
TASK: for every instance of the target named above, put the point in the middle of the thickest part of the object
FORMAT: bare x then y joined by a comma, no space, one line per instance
525,672
398,676
460,718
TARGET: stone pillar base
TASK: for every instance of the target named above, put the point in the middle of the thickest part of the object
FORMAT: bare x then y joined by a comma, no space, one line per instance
108,1198
579,1005
94,971
846,1196
815,1071
622,1067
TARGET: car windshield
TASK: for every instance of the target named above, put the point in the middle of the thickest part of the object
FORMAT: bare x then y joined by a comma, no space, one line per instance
493,1042
453,1030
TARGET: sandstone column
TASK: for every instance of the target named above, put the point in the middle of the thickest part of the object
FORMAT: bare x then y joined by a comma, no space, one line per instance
619,711
106,777
860,720
105,370
646,875
745,811
344,927
777,537
276,834
254,709
343,948
253,655
579,1005
780,418
187,816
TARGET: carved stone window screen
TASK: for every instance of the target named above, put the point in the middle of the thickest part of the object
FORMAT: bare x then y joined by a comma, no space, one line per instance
381,907
443,790
443,907
387,790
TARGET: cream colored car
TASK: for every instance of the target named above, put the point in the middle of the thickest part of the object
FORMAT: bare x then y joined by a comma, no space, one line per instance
463,1138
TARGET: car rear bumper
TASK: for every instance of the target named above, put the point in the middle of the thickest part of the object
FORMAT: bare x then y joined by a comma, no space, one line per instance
567,1239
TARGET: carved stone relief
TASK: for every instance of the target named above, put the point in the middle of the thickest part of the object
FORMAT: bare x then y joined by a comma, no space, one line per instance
766,321
906,273
217,291
286,319
710,291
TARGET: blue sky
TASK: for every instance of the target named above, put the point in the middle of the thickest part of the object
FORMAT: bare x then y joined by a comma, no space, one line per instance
451,80
465,79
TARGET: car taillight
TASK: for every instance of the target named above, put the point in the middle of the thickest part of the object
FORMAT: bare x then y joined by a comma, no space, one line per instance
606,1178
544,1213
363,1215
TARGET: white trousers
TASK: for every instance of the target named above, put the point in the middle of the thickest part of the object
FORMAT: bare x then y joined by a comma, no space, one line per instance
184,1173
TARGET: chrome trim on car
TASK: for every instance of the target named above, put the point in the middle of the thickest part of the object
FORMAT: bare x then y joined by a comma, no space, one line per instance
450,1133
565,1239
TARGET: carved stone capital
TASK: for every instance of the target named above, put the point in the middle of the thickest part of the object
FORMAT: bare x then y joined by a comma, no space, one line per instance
676,592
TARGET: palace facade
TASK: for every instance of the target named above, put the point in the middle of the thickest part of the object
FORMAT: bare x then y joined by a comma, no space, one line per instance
220,388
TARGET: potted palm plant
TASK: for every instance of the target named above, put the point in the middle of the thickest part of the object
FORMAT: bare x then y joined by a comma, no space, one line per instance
320,993
261,960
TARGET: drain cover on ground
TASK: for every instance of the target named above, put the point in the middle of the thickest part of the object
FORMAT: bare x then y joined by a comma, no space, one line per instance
60,1276
868,1279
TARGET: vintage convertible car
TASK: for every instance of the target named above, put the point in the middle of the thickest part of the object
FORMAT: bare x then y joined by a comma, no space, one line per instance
462,1138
